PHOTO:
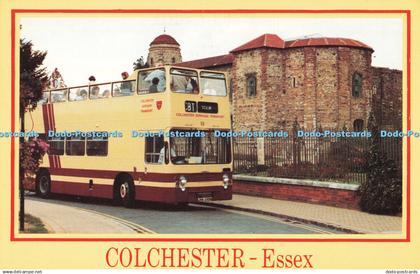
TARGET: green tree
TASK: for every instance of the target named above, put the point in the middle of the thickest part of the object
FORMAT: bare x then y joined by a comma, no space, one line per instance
33,80
382,191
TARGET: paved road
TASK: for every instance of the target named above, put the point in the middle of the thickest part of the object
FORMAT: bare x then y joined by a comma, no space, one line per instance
193,219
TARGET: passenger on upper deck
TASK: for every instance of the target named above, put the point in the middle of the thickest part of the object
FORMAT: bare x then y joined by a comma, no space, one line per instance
92,80
126,87
81,95
94,92
160,75
184,83
192,85
154,87
106,94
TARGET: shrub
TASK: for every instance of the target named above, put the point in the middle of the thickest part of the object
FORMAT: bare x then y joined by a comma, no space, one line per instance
31,153
382,191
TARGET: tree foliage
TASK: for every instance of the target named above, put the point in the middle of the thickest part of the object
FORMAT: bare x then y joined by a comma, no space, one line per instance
33,77
33,80
139,64
382,191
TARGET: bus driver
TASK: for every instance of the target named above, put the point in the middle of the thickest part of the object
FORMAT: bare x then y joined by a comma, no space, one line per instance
174,157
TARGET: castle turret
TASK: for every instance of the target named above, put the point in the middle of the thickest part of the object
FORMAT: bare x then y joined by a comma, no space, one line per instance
164,50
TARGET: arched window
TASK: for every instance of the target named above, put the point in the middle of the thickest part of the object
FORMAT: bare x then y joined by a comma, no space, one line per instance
151,61
356,87
358,125
173,60
251,85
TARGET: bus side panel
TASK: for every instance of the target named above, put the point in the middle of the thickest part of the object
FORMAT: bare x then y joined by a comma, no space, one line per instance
61,187
102,191
82,189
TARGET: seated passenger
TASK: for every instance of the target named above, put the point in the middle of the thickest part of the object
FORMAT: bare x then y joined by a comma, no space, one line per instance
184,84
126,88
81,96
58,97
154,87
179,83
160,74
116,91
94,92
106,94
192,86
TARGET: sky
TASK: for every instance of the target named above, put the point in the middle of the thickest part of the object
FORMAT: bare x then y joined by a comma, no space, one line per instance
105,47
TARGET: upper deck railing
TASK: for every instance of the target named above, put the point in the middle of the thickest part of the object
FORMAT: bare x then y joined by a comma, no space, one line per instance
155,80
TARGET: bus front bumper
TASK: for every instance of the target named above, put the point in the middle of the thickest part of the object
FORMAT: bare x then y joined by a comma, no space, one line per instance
189,195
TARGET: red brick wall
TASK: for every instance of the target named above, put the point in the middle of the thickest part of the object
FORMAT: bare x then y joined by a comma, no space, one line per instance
318,195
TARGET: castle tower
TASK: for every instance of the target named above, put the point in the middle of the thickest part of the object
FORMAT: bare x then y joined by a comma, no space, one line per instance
164,50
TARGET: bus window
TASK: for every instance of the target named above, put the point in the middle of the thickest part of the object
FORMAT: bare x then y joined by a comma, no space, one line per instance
58,95
78,94
99,91
151,81
75,146
155,150
184,81
56,145
97,146
123,88
44,98
213,84
200,150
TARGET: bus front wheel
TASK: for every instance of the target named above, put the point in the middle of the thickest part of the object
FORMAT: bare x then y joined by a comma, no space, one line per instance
126,192
43,184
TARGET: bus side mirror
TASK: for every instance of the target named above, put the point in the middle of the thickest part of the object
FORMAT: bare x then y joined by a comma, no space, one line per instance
166,152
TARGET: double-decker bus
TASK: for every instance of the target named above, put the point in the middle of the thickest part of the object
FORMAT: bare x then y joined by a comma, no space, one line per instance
155,136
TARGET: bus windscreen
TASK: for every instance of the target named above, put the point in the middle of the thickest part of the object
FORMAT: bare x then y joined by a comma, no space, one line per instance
186,148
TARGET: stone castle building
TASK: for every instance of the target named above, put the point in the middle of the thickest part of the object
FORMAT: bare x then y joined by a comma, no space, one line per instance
326,83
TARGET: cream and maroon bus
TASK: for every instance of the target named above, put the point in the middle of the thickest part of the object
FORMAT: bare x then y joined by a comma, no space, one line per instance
159,135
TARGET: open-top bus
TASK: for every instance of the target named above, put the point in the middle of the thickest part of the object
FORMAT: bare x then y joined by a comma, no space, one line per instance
150,137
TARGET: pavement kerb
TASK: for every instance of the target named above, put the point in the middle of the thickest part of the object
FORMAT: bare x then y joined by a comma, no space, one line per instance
294,218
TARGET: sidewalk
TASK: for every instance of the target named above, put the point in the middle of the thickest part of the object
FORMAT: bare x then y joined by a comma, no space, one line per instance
345,219
61,219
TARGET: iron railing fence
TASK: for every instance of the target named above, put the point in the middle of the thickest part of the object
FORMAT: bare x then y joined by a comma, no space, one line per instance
326,159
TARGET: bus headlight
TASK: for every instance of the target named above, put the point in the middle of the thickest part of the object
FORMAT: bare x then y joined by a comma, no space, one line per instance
182,183
226,181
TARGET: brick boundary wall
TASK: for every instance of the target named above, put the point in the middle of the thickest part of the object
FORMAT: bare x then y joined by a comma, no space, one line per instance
324,193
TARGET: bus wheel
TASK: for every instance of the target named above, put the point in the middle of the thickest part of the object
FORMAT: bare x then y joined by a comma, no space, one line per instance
43,184
126,192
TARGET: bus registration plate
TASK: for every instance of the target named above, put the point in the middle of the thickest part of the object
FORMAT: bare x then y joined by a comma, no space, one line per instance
204,196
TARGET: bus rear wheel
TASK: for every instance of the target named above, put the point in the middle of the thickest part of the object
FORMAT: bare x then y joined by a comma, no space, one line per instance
126,192
43,184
